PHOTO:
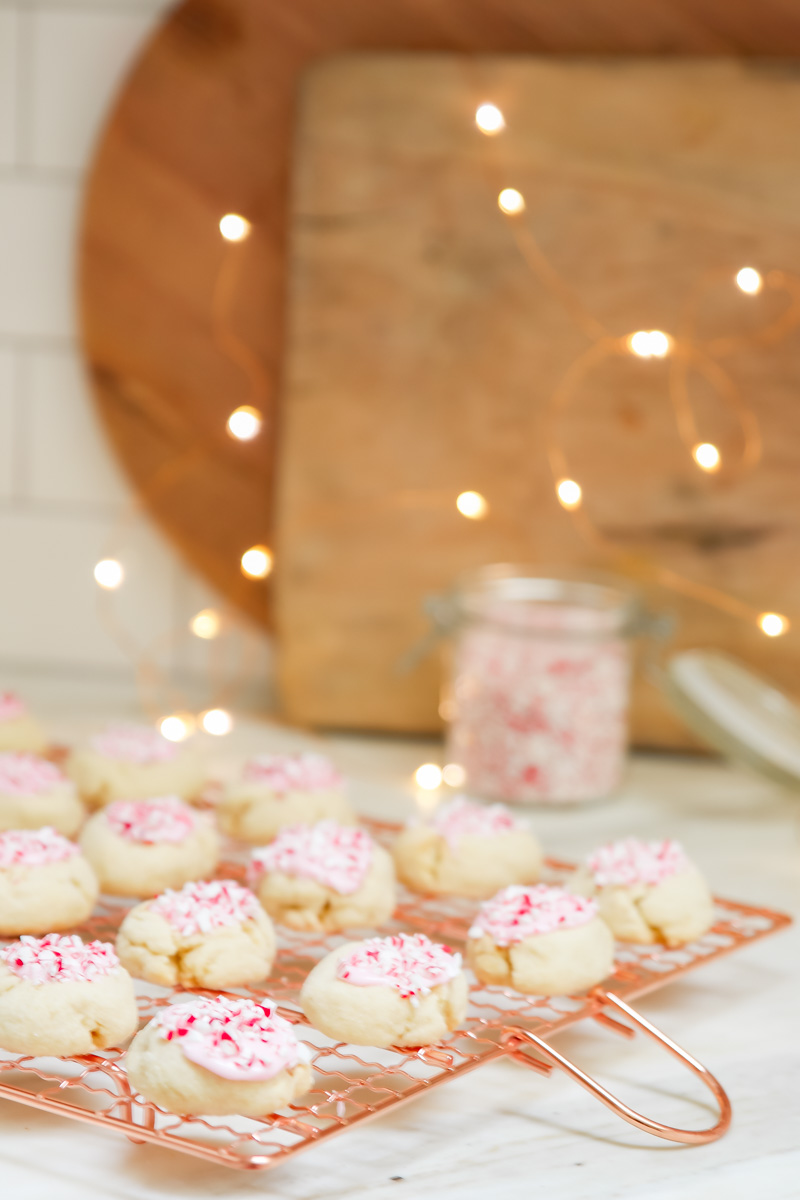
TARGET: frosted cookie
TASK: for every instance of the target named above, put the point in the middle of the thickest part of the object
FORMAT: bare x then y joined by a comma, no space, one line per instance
219,1056
18,729
467,849
45,882
647,891
61,996
207,935
34,792
283,789
396,991
143,847
323,878
127,761
540,940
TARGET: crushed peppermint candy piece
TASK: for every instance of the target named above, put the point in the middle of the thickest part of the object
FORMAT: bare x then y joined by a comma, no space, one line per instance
134,744
633,861
235,1039
410,962
163,819
284,773
518,912
337,856
11,707
27,775
34,848
202,907
462,817
58,959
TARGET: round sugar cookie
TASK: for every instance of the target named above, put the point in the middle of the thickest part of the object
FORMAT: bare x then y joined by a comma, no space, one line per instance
34,793
219,1056
403,990
540,940
208,935
467,849
647,891
45,882
128,761
323,878
18,729
143,847
60,996
283,789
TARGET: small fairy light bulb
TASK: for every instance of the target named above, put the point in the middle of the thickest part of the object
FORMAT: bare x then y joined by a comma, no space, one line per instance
569,493
454,775
748,280
244,423
773,624
109,573
177,727
707,456
511,202
257,562
472,505
216,721
428,777
649,343
233,227
206,624
489,119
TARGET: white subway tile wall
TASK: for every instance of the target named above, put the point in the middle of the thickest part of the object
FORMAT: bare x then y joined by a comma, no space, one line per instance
64,502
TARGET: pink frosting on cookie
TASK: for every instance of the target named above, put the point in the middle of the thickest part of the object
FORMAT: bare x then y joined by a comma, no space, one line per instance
57,959
633,861
410,962
134,744
11,707
284,773
517,912
235,1039
337,856
202,907
163,819
27,775
464,817
34,848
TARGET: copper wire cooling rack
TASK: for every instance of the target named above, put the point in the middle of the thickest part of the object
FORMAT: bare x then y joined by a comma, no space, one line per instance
352,1084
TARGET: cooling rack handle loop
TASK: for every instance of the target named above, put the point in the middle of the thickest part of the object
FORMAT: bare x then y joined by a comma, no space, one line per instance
519,1038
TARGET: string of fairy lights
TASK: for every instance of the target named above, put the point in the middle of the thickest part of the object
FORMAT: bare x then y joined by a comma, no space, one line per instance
246,422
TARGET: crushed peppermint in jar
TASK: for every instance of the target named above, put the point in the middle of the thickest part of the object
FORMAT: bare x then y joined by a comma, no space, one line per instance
137,744
163,819
59,959
27,775
284,773
34,848
518,912
462,817
337,856
633,861
410,962
235,1039
202,907
11,707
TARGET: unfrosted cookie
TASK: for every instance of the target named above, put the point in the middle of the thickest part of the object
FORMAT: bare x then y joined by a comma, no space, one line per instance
142,847
396,991
219,1056
283,789
45,882
467,849
647,891
18,729
34,792
540,940
324,877
61,996
207,935
127,761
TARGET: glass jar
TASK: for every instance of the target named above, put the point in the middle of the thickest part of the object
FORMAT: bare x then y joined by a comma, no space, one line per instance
539,684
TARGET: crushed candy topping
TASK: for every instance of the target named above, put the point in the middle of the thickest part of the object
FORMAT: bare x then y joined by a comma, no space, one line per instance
202,907
163,819
518,912
633,861
235,1039
134,744
34,848
57,959
11,707
410,962
284,773
27,775
464,817
337,856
